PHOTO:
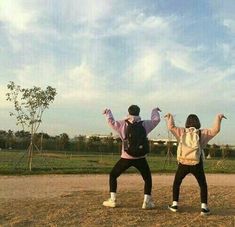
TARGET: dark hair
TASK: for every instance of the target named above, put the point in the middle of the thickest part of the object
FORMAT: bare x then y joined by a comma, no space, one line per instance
134,110
192,121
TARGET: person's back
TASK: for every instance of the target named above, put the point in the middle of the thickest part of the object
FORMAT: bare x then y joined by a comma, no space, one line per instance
136,142
192,121
195,167
133,150
189,149
120,126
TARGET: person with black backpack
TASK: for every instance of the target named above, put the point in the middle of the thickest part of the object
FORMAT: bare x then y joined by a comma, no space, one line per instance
133,133
190,155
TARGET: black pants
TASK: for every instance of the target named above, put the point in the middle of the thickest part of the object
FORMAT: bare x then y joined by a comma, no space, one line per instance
198,172
124,164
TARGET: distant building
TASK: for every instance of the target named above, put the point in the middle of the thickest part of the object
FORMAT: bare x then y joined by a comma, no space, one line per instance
155,141
164,141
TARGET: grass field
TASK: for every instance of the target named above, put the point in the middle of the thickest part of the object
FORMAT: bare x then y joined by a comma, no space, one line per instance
15,162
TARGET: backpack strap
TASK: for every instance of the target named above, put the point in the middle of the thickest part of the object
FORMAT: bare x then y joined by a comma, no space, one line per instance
135,122
201,150
199,134
129,123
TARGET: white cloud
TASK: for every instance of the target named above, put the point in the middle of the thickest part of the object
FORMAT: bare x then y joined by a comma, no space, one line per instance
135,21
78,84
16,16
181,60
220,76
230,24
43,73
81,84
124,23
3,102
226,49
145,66
85,11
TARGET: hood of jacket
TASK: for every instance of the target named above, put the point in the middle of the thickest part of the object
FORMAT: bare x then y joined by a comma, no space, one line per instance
132,118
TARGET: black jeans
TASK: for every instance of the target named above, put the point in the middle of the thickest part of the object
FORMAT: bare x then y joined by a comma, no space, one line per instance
124,164
198,172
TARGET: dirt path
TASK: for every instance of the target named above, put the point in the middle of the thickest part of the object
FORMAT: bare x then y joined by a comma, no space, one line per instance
50,186
76,200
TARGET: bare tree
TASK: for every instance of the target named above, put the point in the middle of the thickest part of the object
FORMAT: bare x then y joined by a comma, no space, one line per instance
29,105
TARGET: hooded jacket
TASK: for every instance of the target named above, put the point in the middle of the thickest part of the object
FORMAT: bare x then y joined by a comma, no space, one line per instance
206,134
120,126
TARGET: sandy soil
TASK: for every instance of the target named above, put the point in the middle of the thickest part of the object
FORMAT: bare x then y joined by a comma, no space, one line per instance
48,186
76,200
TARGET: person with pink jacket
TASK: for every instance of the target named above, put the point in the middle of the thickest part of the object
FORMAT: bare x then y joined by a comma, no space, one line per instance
205,135
128,160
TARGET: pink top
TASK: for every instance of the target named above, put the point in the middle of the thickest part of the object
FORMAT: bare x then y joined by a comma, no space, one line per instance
206,134
120,126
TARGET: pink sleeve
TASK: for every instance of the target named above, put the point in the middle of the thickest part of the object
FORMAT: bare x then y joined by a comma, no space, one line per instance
208,134
176,131
149,125
116,125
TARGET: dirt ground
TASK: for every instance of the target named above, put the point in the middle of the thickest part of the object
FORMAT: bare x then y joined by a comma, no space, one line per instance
76,200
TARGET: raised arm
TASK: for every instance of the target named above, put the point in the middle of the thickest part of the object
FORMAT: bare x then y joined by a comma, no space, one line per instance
116,125
176,131
208,134
149,125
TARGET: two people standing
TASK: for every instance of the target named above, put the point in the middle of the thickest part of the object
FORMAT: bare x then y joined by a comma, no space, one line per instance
192,126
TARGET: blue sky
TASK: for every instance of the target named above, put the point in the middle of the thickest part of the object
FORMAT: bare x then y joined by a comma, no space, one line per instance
178,55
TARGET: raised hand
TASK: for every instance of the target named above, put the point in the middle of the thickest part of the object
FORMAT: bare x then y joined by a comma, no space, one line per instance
158,109
167,115
105,111
221,116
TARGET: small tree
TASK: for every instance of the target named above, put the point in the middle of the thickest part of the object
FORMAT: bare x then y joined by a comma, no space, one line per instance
10,139
29,104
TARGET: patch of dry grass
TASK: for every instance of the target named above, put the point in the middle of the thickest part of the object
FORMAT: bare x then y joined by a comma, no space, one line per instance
85,209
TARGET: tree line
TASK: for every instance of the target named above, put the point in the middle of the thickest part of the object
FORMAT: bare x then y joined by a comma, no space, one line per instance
20,140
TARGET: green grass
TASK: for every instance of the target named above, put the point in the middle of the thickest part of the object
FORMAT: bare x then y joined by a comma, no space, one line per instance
58,163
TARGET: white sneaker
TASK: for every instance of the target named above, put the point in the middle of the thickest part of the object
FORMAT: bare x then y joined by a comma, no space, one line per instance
148,205
109,203
173,208
205,211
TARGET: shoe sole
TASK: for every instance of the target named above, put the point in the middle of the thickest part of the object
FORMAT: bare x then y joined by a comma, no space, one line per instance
148,208
109,206
112,206
173,210
205,214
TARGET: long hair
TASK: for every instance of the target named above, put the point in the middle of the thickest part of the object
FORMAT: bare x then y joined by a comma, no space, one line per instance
193,121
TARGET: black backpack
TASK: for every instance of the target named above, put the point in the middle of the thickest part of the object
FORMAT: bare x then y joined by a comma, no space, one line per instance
136,141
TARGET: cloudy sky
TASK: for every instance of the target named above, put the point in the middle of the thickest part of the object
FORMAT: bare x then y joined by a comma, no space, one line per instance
178,55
